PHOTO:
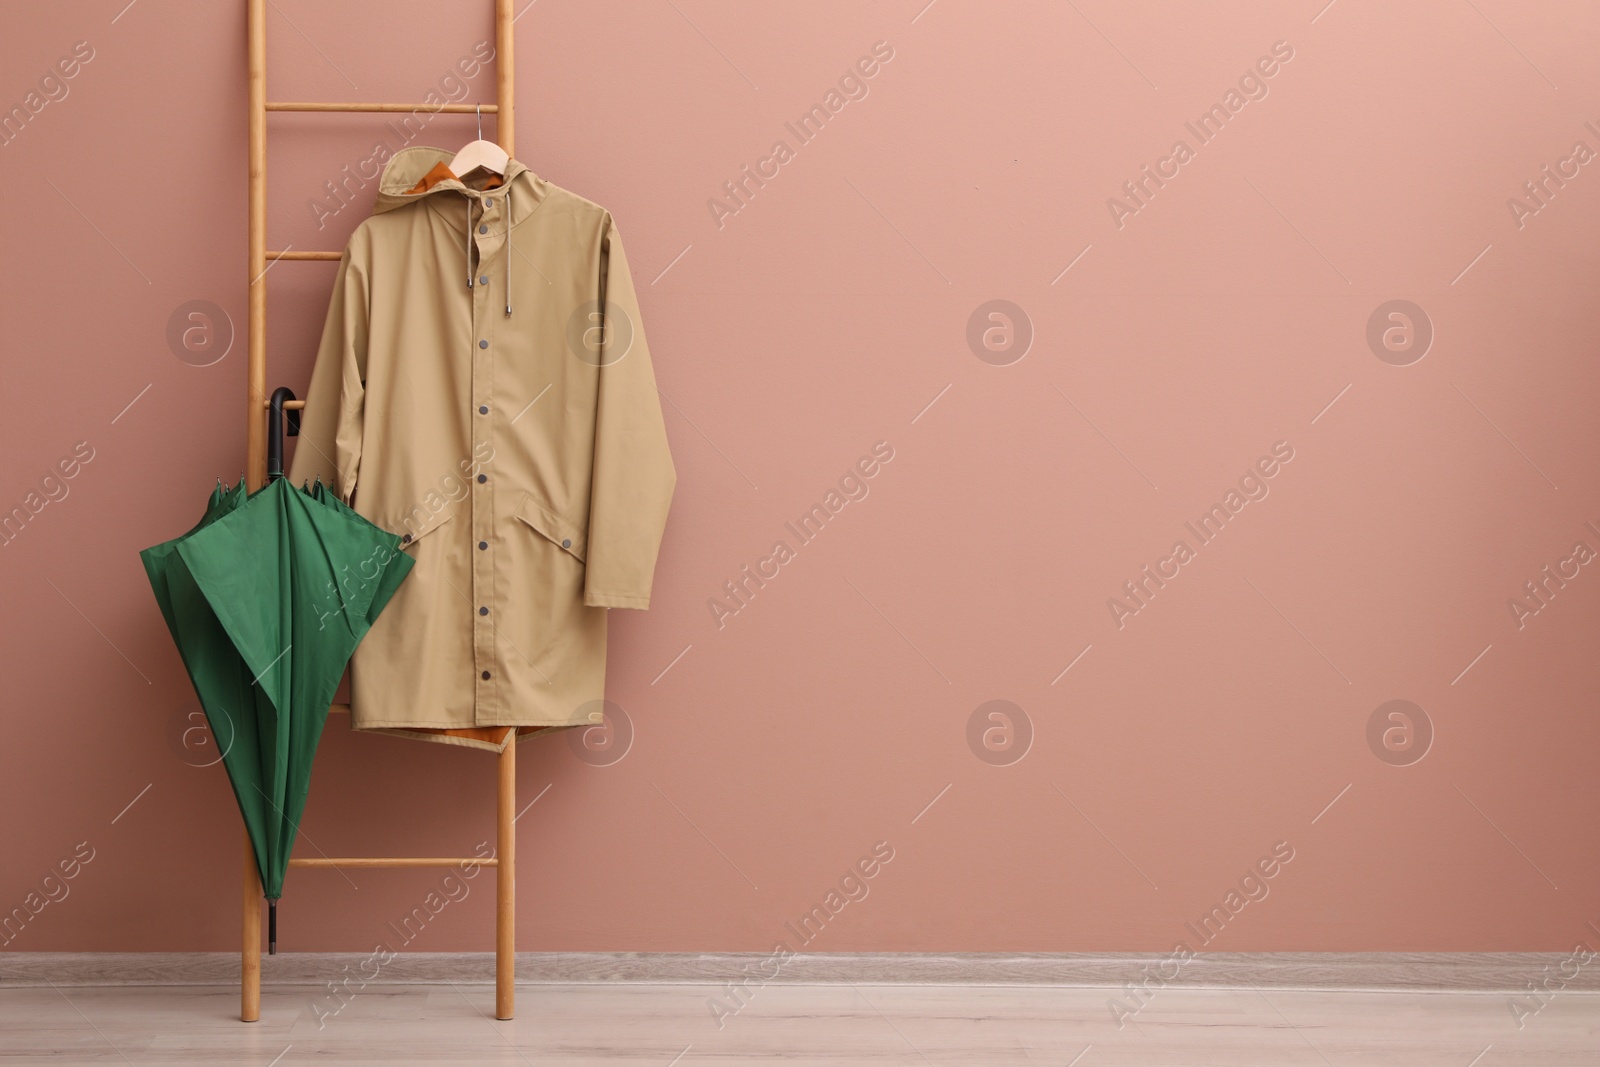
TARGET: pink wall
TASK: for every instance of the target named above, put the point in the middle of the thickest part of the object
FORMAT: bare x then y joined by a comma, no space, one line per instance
1225,315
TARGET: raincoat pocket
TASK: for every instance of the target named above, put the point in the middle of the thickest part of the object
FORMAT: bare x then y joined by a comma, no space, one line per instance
553,527
418,523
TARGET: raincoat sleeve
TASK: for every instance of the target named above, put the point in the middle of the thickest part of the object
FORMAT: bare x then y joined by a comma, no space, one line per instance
633,476
331,424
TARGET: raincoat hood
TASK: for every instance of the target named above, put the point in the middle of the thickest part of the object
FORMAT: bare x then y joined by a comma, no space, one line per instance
421,173
407,168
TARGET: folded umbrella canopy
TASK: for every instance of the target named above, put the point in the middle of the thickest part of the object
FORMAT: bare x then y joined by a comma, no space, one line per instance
266,599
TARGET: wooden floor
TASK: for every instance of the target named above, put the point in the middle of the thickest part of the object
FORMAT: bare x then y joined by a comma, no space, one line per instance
666,1025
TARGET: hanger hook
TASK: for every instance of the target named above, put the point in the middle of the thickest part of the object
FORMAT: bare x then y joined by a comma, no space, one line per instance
480,122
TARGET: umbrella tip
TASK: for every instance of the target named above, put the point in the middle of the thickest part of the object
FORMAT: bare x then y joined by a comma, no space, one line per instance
272,927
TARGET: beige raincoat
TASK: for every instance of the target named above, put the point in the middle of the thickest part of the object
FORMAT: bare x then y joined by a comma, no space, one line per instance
484,390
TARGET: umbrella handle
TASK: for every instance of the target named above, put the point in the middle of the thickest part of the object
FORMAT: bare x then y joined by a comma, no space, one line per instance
272,927
275,430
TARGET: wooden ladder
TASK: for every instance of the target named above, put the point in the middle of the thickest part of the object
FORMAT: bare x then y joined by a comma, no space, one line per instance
504,860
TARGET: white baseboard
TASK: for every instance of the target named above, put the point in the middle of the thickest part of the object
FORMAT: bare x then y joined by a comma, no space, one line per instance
1442,971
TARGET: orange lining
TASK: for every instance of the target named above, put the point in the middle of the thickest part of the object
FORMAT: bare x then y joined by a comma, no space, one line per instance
493,735
441,173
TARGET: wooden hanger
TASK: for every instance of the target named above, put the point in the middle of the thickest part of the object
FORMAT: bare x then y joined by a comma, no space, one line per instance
480,154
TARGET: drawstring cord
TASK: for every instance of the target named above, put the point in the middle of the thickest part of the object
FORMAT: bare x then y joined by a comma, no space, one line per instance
468,235
469,242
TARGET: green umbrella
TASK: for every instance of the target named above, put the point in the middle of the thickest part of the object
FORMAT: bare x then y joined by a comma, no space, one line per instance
388,578
267,598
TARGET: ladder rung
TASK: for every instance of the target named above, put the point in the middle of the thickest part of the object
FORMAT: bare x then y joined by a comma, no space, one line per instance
333,257
394,861
432,109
